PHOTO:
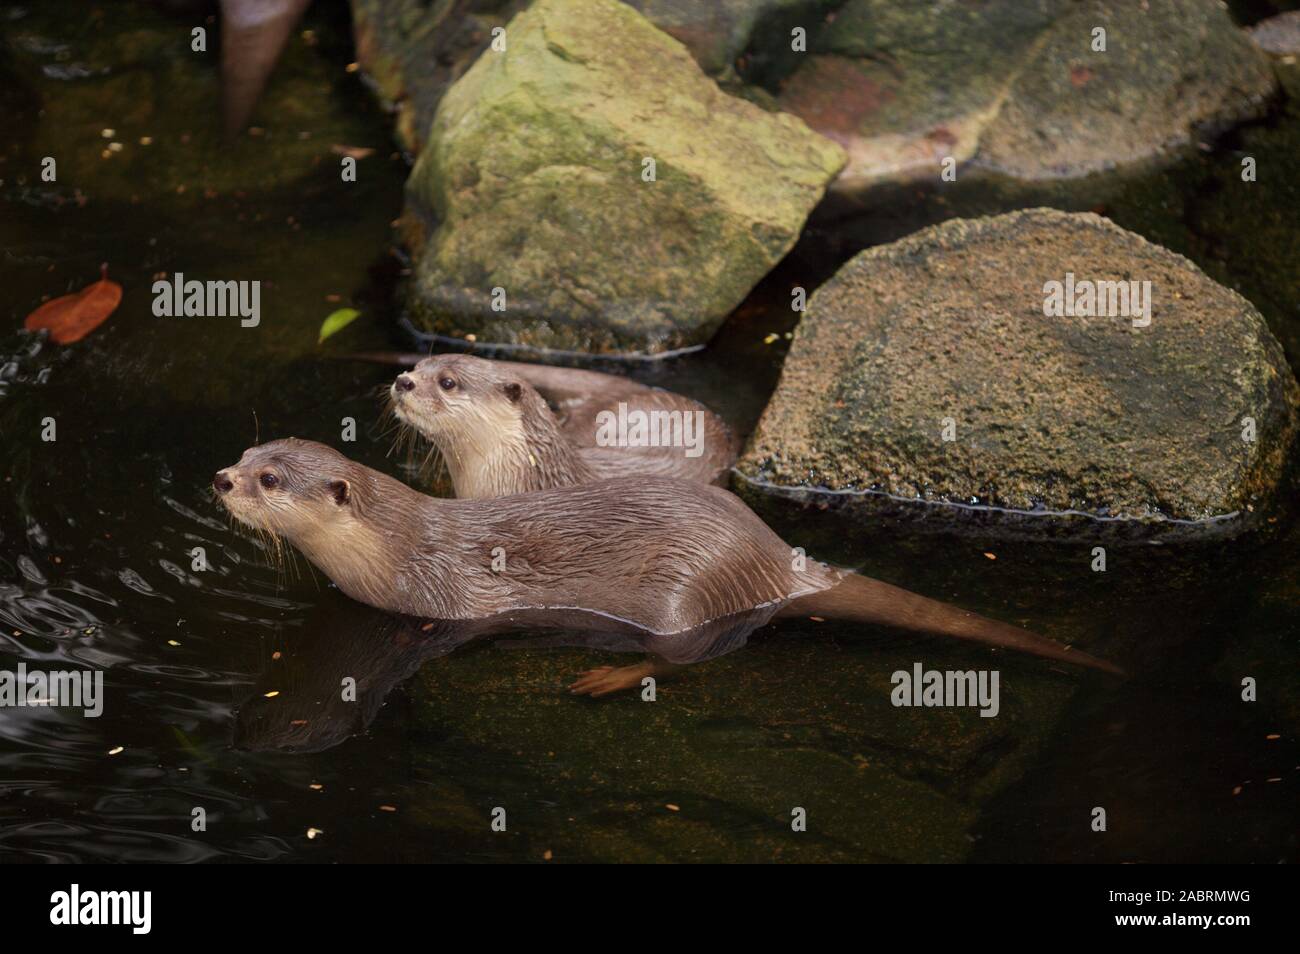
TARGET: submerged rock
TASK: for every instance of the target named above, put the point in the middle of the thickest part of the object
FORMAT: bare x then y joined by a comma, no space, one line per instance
713,768
929,370
1017,85
539,220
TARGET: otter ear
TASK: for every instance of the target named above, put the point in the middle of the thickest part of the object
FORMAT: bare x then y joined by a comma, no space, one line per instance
341,491
514,391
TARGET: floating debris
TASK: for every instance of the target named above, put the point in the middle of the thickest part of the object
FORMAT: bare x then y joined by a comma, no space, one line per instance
352,152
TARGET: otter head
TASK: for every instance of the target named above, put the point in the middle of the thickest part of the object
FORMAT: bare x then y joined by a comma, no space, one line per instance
347,519
291,488
451,398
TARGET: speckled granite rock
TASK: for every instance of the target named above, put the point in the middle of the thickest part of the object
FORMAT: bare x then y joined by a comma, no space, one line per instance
1093,415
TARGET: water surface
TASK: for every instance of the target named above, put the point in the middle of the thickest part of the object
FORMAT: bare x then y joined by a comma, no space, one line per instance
98,527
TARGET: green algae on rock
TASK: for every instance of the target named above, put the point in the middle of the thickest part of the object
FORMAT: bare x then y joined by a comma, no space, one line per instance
793,722
1017,86
927,370
413,50
534,182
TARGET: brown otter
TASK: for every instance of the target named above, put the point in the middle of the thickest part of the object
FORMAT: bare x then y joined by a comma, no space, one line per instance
656,553
499,436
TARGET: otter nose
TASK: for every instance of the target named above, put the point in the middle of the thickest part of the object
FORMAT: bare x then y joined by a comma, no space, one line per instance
404,382
222,482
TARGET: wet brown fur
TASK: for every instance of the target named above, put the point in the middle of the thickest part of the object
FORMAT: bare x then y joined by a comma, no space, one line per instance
499,436
666,555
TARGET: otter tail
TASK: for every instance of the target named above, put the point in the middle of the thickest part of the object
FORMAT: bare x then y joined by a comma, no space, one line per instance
864,600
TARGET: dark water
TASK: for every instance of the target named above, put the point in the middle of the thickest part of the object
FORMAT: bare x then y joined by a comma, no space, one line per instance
97,530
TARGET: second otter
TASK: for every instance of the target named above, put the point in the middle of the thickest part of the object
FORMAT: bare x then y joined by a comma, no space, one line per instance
499,436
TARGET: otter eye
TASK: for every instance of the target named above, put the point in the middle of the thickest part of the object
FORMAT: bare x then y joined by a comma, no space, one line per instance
447,384
269,480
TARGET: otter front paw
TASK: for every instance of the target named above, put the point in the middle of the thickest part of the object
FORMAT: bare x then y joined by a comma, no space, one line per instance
607,679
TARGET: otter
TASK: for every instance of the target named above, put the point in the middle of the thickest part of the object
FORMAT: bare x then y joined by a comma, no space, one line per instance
660,554
499,436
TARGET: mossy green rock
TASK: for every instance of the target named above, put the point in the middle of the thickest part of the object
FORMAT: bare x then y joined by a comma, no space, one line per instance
1058,417
712,769
1016,85
413,50
534,182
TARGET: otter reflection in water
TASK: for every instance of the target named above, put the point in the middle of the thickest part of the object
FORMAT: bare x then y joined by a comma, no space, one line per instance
345,644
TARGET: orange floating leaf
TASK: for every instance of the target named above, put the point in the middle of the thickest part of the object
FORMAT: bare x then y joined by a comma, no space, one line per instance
70,318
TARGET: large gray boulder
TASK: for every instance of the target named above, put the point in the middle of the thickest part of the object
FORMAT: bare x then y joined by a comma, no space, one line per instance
1016,86
928,371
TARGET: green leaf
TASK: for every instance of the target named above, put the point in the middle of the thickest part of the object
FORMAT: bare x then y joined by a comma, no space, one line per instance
337,321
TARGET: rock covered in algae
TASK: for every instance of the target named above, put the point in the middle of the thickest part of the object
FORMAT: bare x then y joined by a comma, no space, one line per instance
589,188
930,370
